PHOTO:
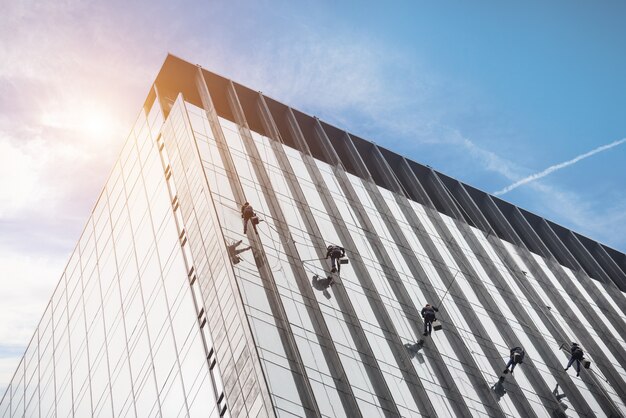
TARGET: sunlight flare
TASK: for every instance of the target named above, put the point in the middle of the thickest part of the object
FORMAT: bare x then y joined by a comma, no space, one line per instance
92,120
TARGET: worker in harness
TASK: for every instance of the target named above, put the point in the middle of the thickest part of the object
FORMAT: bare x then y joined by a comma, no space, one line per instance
428,313
516,357
335,252
248,215
576,355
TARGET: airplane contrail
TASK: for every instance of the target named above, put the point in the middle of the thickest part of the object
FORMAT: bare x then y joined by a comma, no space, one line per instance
559,166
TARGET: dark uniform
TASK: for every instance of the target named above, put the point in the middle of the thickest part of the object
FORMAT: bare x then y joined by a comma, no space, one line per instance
516,357
335,252
576,356
428,313
247,213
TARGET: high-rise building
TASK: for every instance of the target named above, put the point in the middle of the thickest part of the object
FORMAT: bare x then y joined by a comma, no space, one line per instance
156,314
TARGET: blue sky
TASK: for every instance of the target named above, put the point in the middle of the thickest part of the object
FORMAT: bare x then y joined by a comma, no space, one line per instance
488,92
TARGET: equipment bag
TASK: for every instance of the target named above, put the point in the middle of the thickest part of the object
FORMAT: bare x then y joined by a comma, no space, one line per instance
343,261
255,220
586,363
437,325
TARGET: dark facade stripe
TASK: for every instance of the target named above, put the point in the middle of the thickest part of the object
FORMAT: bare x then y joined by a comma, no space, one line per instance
349,314
540,344
409,257
506,292
563,254
556,332
468,207
582,333
528,235
491,351
586,259
377,246
314,234
575,325
554,266
411,183
391,275
601,301
589,313
376,303
532,374
606,262
345,305
321,330
618,258
296,364
412,313
590,264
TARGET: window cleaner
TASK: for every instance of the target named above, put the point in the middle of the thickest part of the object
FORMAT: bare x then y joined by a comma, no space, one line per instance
428,311
248,215
336,254
516,357
576,355
233,252
430,319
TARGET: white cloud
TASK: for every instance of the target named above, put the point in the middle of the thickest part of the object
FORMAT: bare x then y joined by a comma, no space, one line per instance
341,74
42,174
18,179
26,282
588,217
560,166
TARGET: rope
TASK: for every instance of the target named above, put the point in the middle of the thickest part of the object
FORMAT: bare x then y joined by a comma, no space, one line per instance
448,288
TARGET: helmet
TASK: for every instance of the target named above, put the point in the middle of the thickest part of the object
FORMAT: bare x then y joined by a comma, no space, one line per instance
330,247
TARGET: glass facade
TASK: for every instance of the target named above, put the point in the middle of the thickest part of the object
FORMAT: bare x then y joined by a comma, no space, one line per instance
153,316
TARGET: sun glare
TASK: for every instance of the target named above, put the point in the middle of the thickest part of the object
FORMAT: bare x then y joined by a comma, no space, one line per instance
97,122
91,120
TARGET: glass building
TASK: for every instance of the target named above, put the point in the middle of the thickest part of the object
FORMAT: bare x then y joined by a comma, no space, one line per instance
154,316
